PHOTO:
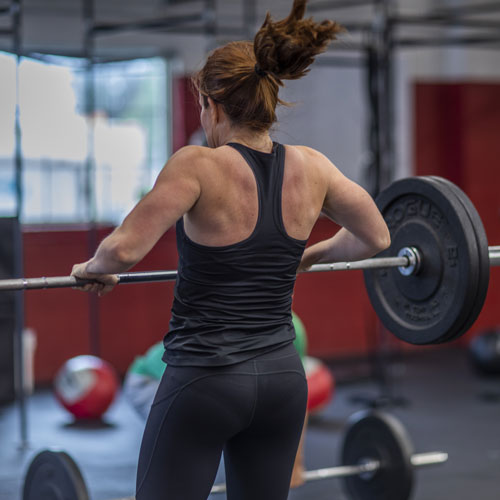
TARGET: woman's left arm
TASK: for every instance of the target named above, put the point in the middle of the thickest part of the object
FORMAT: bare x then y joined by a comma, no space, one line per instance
175,192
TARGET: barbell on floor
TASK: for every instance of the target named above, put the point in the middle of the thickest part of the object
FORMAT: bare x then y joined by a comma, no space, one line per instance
428,287
376,453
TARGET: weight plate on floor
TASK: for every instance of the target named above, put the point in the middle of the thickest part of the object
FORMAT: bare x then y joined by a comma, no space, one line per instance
53,475
381,437
426,307
483,252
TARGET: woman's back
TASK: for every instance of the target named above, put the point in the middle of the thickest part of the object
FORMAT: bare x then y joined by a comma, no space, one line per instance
233,293
227,209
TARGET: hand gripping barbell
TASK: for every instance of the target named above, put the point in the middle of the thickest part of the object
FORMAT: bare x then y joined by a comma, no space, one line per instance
428,287
376,453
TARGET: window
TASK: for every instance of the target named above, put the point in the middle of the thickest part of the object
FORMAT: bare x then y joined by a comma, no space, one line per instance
127,138
7,134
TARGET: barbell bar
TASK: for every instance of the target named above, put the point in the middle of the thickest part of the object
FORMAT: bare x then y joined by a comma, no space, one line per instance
171,275
407,258
376,453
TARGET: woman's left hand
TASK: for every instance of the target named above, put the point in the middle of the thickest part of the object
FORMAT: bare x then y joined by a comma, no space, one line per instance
103,283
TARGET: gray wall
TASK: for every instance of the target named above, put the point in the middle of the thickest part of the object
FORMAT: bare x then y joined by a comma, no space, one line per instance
329,114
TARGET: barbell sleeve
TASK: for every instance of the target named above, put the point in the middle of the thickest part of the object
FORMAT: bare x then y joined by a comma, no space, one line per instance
494,254
428,458
375,263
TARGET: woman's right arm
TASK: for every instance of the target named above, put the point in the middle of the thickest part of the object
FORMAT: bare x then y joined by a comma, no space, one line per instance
176,190
364,232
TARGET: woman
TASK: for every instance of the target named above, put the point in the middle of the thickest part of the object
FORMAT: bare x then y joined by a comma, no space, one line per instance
244,208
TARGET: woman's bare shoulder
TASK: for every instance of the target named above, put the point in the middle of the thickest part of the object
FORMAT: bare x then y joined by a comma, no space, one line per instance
310,158
307,153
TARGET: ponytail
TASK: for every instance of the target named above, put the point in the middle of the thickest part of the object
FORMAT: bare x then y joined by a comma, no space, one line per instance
245,77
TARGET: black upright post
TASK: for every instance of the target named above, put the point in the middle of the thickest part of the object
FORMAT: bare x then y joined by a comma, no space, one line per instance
381,171
210,24
381,97
16,11
249,18
90,171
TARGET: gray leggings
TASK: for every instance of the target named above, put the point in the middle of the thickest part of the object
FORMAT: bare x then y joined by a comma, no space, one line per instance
253,412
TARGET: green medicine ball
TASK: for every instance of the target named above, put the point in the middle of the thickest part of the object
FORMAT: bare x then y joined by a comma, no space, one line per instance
300,341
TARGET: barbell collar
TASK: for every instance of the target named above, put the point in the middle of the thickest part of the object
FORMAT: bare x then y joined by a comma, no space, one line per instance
414,261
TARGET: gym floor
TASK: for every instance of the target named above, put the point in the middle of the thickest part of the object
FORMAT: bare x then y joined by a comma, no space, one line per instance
448,407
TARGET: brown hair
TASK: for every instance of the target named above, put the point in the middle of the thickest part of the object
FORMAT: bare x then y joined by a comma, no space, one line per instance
245,77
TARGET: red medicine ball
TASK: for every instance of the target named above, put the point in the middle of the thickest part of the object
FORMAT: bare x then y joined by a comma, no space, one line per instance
86,386
321,384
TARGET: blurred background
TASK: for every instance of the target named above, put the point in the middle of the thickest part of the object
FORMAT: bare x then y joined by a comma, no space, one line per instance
95,96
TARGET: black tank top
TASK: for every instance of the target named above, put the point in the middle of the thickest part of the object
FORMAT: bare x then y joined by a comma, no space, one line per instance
232,303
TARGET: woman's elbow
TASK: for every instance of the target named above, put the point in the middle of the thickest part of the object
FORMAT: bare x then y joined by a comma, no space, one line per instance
378,241
383,241
123,255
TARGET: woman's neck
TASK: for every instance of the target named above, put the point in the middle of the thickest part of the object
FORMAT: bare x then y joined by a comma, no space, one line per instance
261,141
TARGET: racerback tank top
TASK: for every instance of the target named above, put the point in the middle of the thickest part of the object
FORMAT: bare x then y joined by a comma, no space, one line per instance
232,303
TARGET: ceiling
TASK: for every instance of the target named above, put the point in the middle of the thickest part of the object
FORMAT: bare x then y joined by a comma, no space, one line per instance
57,26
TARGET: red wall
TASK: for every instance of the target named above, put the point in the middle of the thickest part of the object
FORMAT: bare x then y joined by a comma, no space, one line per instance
131,318
457,136
333,306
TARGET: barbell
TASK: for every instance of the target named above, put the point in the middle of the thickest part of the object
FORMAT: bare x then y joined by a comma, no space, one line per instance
376,453
428,287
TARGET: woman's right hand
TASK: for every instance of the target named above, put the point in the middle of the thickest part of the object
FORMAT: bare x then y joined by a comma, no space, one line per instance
103,283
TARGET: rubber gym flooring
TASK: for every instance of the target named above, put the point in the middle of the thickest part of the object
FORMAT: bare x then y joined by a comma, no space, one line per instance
449,407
